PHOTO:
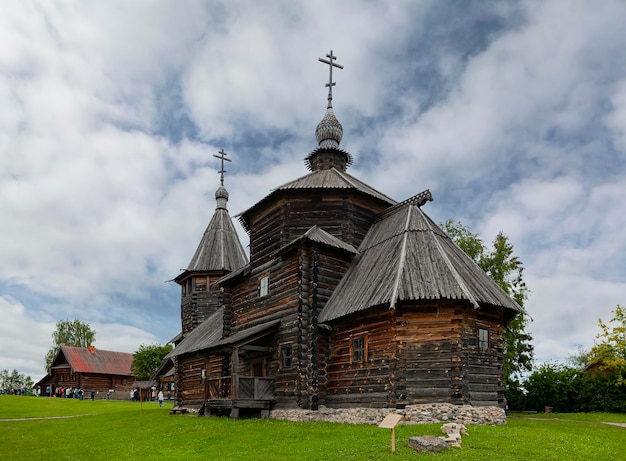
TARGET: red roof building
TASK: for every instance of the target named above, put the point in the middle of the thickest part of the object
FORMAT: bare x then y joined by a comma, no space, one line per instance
90,369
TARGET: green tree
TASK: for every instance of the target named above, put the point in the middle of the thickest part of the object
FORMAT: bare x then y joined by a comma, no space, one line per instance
14,380
70,333
147,359
4,379
507,271
553,385
610,351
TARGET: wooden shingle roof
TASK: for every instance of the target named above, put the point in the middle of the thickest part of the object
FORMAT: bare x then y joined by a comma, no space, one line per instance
204,335
220,248
319,179
92,360
334,179
406,257
209,335
318,235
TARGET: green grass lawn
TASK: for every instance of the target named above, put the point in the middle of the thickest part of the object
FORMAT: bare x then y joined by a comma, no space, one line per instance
112,430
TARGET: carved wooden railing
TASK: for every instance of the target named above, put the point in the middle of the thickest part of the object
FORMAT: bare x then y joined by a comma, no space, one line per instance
241,387
219,388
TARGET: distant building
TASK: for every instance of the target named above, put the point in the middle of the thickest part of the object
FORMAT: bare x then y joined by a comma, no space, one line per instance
349,299
90,369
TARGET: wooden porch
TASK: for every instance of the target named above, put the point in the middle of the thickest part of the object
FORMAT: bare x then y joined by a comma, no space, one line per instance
239,394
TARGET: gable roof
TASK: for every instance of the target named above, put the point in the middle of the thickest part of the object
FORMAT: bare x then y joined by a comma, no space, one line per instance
320,179
315,234
406,257
92,360
204,335
209,335
167,368
318,235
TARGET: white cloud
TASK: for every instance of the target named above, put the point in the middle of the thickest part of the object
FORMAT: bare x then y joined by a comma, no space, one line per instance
616,119
24,341
516,124
565,311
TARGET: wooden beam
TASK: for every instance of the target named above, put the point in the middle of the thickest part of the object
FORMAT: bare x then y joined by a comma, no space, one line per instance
256,348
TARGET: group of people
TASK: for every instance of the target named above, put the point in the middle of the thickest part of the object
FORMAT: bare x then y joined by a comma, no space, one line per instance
16,391
134,396
70,393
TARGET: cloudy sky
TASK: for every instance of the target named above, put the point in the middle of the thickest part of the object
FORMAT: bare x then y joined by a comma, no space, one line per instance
512,113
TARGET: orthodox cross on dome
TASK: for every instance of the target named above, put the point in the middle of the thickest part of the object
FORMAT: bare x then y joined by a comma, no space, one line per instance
330,83
222,157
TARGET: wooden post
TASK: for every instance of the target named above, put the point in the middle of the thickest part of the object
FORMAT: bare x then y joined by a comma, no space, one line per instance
140,401
390,422
235,373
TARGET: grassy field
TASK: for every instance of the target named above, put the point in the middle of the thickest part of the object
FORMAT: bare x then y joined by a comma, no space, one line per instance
102,429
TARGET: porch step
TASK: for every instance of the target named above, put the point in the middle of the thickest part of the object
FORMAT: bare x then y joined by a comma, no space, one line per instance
178,411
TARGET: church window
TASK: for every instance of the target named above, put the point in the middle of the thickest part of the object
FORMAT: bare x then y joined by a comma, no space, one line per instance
264,285
285,358
483,340
358,352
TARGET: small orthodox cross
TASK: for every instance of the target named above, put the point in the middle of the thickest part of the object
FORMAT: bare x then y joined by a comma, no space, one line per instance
222,157
330,83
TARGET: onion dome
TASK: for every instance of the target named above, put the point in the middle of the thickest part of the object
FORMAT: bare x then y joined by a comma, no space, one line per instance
221,196
329,131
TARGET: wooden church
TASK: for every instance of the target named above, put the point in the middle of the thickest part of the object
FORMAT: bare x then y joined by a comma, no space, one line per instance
349,299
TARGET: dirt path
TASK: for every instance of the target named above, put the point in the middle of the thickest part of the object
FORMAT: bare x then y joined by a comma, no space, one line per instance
616,424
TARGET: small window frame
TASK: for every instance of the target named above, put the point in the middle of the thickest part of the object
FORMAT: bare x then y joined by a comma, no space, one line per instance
358,349
483,340
264,285
286,356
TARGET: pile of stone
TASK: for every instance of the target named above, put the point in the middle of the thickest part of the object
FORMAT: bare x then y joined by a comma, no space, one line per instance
413,414
430,443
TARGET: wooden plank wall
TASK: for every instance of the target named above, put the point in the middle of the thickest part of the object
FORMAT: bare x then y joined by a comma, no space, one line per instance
417,354
189,385
201,302
483,371
300,284
429,341
249,309
331,267
371,383
99,383
347,216
441,361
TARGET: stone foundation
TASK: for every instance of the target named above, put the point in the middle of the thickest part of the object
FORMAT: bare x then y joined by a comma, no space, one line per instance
432,413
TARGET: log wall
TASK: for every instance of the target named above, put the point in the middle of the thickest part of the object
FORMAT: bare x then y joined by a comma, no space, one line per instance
190,388
430,347
372,382
347,216
101,384
483,370
417,354
300,283
202,300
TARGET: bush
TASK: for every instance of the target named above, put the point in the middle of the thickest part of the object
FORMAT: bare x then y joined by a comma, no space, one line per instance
571,390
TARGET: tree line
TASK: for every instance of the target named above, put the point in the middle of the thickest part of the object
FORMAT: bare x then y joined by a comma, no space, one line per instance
593,380
12,382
